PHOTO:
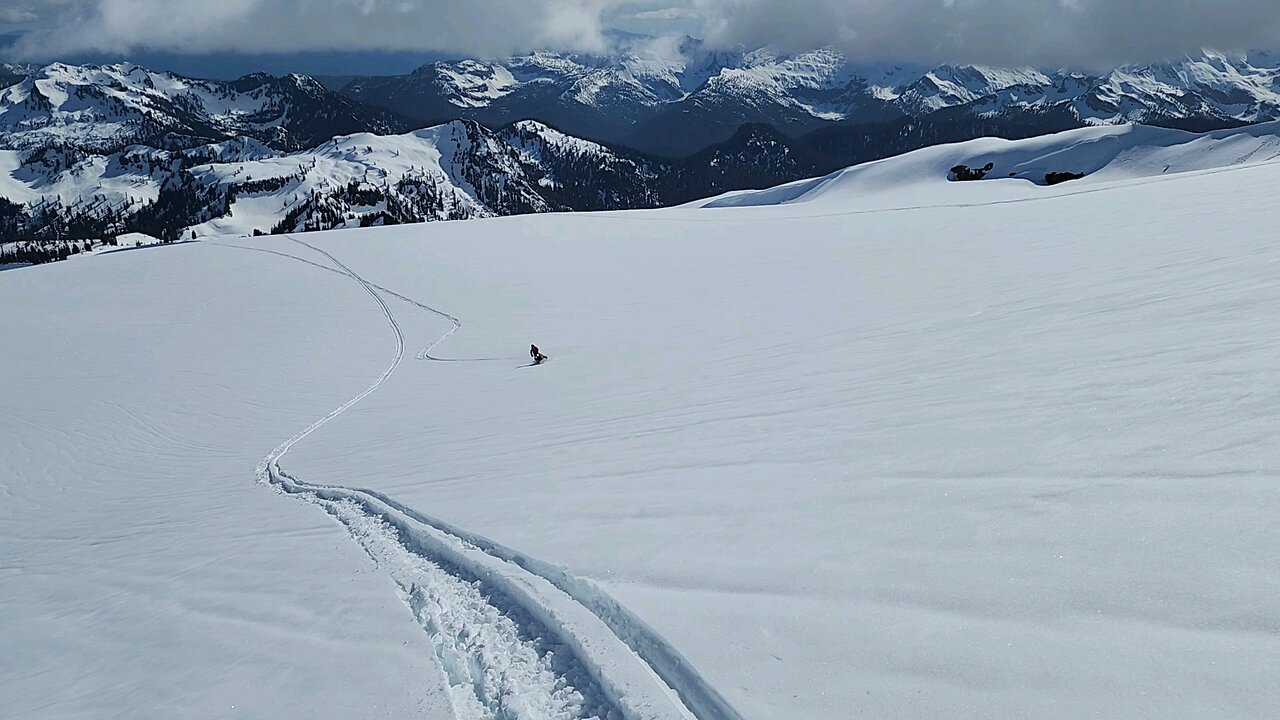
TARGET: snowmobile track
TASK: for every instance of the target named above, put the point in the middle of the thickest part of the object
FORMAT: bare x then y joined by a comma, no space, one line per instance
540,626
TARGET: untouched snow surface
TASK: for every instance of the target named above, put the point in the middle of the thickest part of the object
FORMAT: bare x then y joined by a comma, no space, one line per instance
1010,454
1103,154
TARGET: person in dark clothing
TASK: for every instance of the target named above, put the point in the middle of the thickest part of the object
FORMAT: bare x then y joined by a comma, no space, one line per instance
536,354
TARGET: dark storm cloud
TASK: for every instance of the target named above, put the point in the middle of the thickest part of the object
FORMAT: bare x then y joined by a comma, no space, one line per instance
1039,32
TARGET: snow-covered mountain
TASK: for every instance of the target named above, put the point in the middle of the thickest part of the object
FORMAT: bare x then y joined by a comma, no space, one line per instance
93,151
455,171
1202,90
666,97
104,108
458,170
11,73
677,98
630,98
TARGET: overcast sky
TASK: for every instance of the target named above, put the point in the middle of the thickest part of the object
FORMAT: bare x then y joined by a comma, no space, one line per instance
1050,33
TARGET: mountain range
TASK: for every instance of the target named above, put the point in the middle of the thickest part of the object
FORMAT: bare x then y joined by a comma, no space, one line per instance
674,98
96,151
104,108
457,170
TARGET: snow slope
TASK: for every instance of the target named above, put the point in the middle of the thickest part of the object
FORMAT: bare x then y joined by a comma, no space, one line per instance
144,574
1012,454
1104,155
96,175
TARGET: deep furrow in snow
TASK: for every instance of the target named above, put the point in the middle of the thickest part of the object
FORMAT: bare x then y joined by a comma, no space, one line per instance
496,667
701,698
515,642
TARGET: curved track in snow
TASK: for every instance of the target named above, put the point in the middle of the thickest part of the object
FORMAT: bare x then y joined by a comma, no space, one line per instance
425,353
516,637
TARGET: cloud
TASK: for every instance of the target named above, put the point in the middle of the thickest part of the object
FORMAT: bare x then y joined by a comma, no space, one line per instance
1038,32
670,13
17,15
466,27
1084,33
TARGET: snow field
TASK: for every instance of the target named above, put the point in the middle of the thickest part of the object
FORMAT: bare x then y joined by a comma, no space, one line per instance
908,461
142,577
1010,452
630,685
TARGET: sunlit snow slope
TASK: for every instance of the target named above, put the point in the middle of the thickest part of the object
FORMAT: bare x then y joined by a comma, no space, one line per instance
1103,155
972,450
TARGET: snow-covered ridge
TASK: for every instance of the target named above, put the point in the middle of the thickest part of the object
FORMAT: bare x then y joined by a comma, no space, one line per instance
826,85
649,76
453,171
103,108
950,85
458,170
538,143
1101,154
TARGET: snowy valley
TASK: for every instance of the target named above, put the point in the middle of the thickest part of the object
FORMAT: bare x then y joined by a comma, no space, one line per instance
879,443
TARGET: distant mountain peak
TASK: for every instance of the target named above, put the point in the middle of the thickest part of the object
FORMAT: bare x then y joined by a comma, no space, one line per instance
102,108
641,95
